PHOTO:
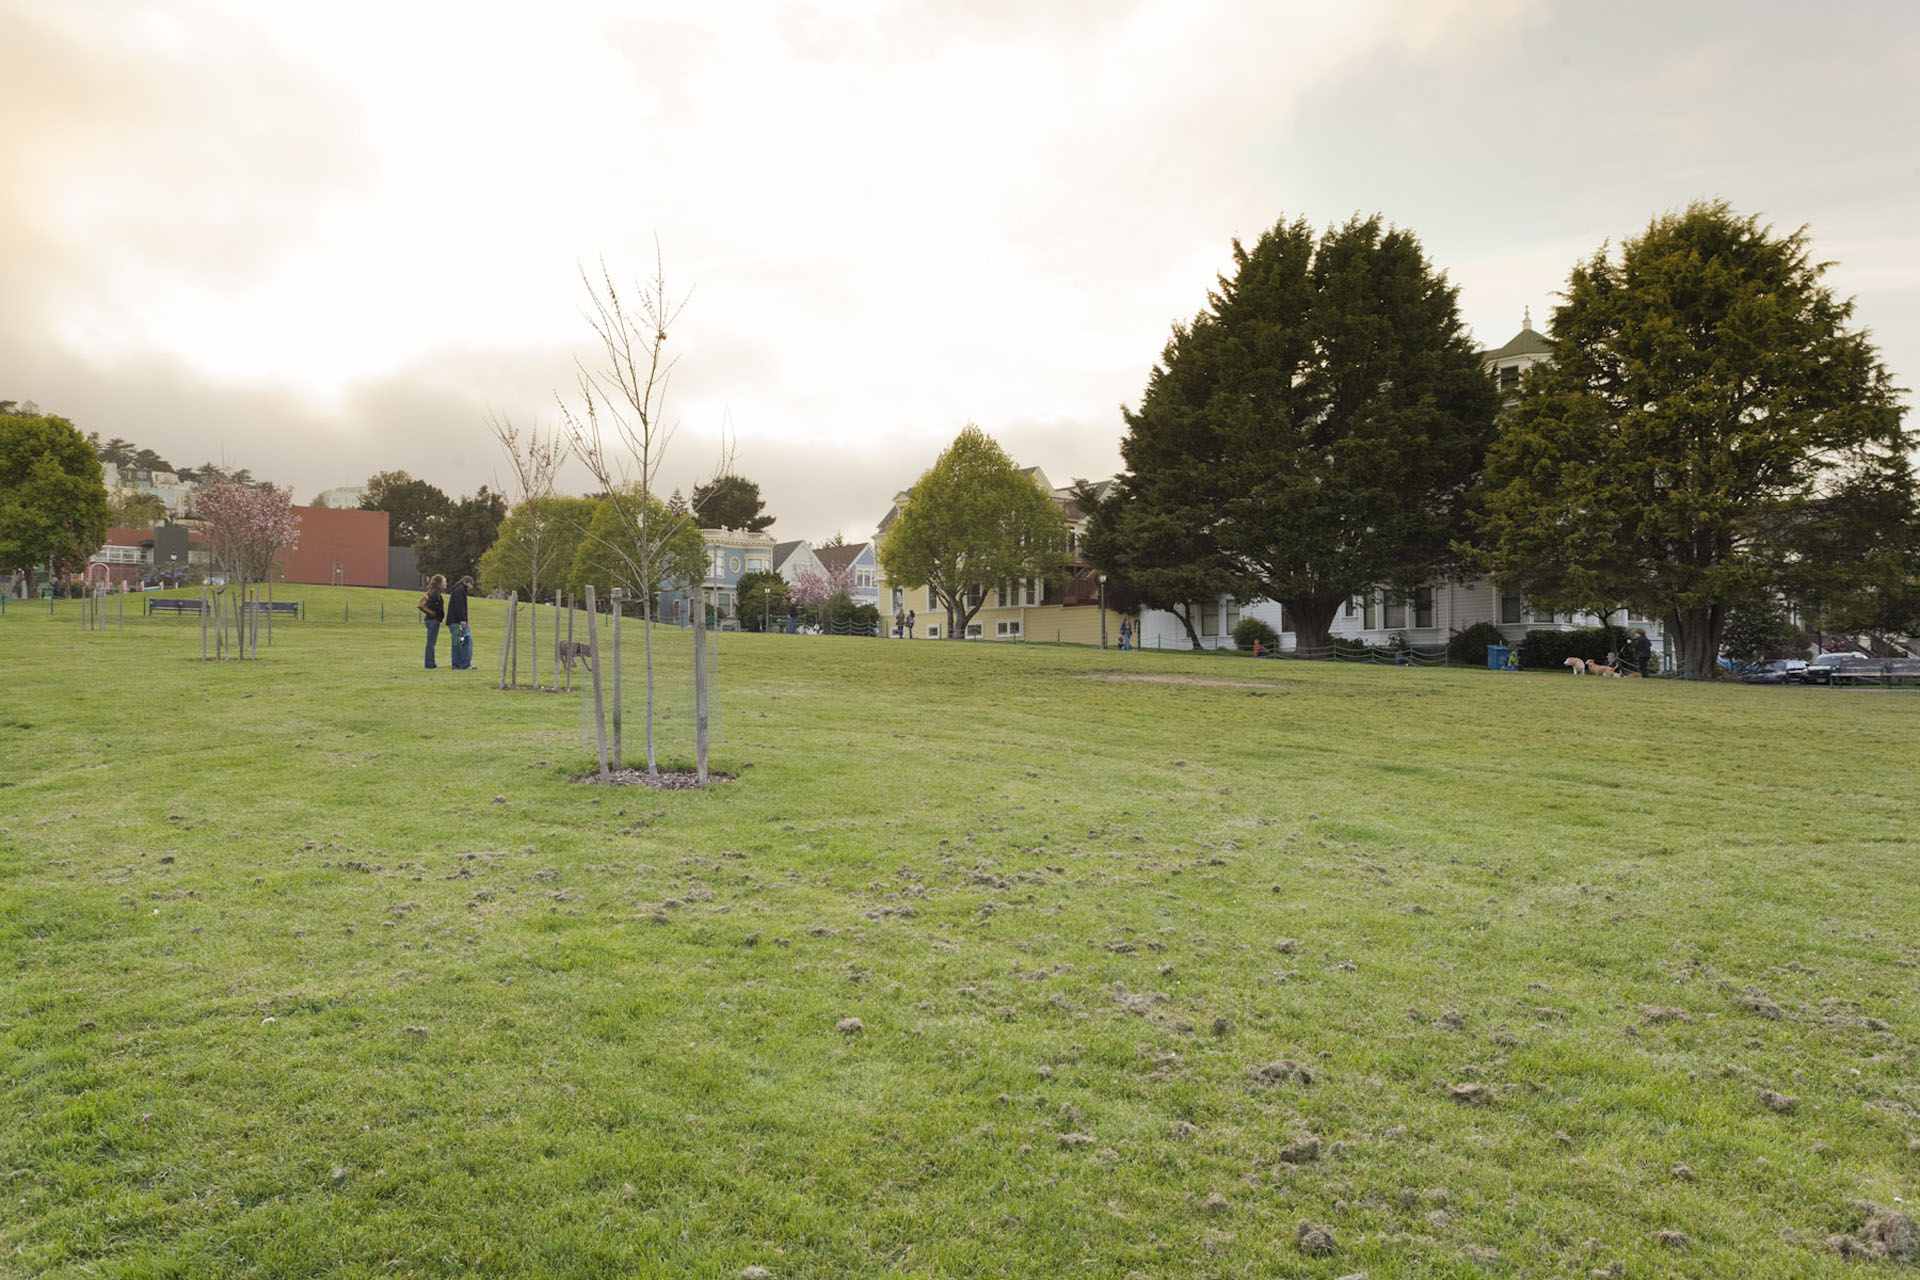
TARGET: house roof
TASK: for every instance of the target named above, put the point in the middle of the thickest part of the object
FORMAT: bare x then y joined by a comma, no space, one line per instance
1527,342
783,551
841,557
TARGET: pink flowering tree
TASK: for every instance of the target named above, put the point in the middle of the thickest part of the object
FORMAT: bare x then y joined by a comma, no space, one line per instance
815,591
247,527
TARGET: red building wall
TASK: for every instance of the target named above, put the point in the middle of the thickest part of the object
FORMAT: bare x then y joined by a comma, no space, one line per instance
354,542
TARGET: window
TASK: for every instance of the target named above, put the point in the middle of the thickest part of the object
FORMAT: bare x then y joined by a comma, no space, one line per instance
899,599
1367,618
1393,613
1286,616
719,563
976,596
756,565
1510,378
1007,627
975,630
1353,607
933,601
1511,608
1003,592
1033,591
863,577
1423,607
933,631
1209,618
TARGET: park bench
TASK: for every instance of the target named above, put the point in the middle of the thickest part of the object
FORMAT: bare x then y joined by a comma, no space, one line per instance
1885,672
172,606
288,607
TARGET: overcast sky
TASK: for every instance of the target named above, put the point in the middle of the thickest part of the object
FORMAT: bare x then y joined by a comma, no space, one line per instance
325,240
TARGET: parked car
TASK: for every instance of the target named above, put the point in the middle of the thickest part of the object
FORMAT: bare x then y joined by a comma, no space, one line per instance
1820,670
1779,671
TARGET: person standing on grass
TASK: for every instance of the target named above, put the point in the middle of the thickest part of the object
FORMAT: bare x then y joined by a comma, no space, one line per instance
909,624
899,624
433,607
1126,634
457,624
1642,652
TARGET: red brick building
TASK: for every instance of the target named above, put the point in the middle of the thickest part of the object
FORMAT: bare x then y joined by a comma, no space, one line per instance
338,548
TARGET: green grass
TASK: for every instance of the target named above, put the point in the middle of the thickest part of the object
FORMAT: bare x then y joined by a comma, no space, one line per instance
524,1027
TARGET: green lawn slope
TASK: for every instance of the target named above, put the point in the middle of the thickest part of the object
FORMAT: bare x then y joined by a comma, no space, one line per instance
994,961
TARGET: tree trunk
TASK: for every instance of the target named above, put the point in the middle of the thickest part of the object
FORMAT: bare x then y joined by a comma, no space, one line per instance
1312,621
700,690
1696,634
1185,615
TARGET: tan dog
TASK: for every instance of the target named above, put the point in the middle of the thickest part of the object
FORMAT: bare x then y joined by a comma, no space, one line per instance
1577,665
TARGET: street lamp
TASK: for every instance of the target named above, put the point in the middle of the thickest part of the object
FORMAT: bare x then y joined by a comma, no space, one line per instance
766,613
1103,611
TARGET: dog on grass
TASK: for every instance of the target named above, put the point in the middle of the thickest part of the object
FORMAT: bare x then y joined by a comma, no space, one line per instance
1577,665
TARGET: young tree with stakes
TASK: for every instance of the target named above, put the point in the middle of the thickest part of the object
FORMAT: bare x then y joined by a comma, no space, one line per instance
620,433
535,458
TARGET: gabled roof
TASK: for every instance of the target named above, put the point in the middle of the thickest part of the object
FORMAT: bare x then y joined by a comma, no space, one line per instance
840,557
783,552
1527,342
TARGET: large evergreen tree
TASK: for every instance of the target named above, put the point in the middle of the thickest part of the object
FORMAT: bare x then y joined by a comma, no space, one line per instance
1318,428
730,502
971,522
1708,433
411,505
1159,550
454,543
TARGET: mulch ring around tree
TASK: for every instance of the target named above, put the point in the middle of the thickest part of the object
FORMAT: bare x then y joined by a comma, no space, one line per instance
665,780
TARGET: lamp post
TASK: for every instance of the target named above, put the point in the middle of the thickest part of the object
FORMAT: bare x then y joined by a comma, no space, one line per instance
766,613
1103,611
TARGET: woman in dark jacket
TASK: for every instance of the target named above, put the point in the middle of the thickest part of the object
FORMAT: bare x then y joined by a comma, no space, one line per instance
435,609
457,624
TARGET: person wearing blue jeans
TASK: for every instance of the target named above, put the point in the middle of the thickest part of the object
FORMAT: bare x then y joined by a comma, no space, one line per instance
457,624
434,607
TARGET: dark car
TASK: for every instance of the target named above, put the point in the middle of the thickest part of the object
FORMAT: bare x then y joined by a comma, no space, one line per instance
1779,671
1821,669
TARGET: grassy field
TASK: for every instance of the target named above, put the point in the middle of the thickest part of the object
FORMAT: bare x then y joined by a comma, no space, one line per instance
1163,965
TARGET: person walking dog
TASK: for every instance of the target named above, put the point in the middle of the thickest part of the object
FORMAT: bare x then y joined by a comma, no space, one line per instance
433,607
1642,649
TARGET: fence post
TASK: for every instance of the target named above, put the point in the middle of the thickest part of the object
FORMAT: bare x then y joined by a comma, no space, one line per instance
615,597
593,662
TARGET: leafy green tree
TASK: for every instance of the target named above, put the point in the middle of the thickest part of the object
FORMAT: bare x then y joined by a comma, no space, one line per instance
1761,629
1314,433
411,505
53,495
1158,553
132,509
971,522
730,502
761,596
610,551
455,542
1708,433
561,524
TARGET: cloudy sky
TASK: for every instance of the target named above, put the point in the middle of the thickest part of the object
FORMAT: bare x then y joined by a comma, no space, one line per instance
324,240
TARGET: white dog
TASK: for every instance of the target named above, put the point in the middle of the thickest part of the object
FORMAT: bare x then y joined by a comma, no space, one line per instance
1577,665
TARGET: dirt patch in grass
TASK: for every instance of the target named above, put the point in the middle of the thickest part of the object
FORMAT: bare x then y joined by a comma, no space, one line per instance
1218,684
665,780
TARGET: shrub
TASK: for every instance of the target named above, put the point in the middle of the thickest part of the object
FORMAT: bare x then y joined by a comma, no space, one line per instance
1252,631
1469,647
866,620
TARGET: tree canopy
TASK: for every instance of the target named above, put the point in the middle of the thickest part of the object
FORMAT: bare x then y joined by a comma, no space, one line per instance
760,596
411,505
455,542
973,521
540,533
132,509
730,502
247,527
53,494
1313,434
609,553
1709,433
1160,556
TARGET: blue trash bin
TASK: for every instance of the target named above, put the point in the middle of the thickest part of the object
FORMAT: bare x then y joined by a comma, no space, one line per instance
1496,657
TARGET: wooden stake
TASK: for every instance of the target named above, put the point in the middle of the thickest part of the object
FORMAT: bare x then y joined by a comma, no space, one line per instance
203,621
700,689
503,642
593,662
619,756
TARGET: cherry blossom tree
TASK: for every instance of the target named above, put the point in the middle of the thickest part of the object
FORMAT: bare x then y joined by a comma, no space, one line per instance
247,527
814,591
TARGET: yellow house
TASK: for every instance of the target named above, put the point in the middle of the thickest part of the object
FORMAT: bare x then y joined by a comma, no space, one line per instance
1071,612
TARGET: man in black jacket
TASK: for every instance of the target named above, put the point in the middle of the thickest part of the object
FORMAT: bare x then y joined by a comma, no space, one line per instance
1642,649
457,623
